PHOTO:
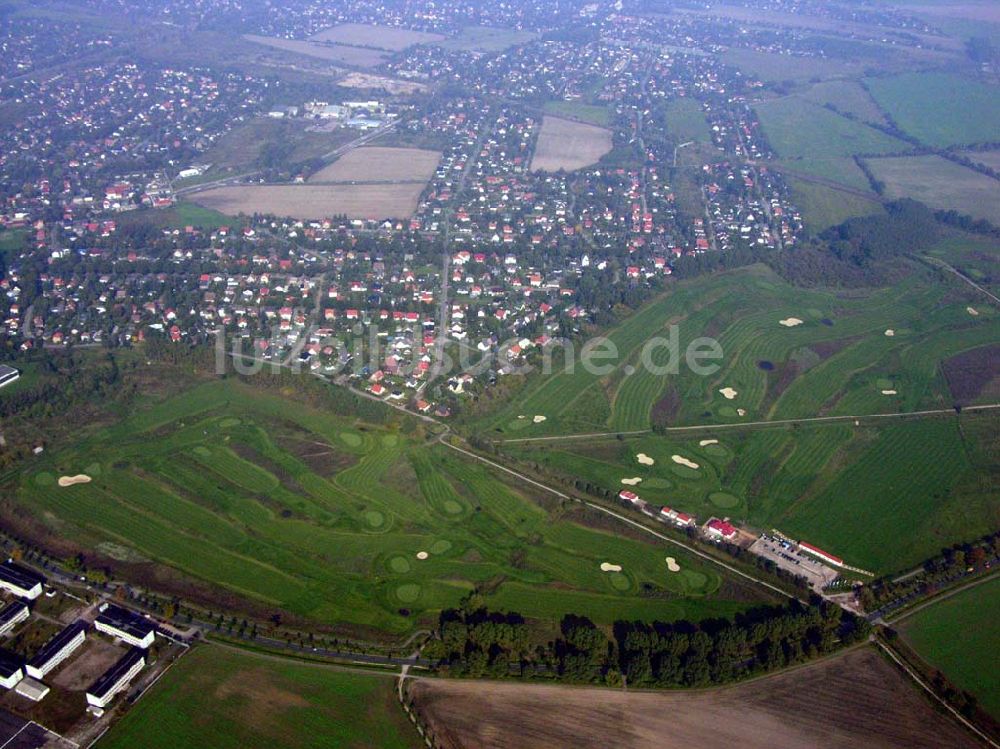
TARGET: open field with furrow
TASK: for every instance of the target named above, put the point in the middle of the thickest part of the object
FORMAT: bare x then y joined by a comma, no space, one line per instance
848,700
568,145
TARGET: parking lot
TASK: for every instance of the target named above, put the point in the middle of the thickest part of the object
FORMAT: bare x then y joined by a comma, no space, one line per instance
787,558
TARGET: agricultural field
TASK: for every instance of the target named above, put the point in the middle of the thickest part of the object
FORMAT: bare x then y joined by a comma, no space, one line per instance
851,699
986,158
361,57
378,164
374,201
940,184
798,129
823,206
487,39
214,697
595,114
955,634
686,121
772,67
340,522
391,38
939,109
568,145
847,96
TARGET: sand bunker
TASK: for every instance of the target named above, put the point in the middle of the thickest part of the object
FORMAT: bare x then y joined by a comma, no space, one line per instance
681,460
672,565
422,555
608,567
790,322
705,443
538,419
888,392
645,459
728,393
890,332
80,478
741,412
632,481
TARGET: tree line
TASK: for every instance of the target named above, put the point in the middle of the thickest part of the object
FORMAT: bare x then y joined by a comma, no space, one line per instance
477,643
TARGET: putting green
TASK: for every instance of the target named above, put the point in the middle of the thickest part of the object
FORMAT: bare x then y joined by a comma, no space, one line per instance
723,499
517,424
727,411
227,423
693,580
440,546
44,479
390,440
657,483
408,592
883,383
203,451
452,507
813,312
351,439
399,564
685,472
94,469
716,451
374,518
619,581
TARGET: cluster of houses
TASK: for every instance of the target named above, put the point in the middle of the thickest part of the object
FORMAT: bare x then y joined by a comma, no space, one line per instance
26,677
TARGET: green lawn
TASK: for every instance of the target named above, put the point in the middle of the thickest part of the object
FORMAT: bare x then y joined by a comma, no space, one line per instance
960,636
848,489
217,698
486,39
686,121
595,114
940,109
324,517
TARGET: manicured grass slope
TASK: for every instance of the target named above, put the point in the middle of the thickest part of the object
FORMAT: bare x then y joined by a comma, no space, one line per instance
215,698
960,637
849,489
324,517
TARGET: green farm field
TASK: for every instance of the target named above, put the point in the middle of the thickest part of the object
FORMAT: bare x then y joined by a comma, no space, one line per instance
595,114
686,121
822,206
848,348
292,508
845,487
940,184
847,96
213,697
799,129
959,636
940,109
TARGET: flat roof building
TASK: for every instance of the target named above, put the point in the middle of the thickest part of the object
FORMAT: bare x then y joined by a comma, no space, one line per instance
33,689
116,679
123,624
11,615
56,650
20,581
11,669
